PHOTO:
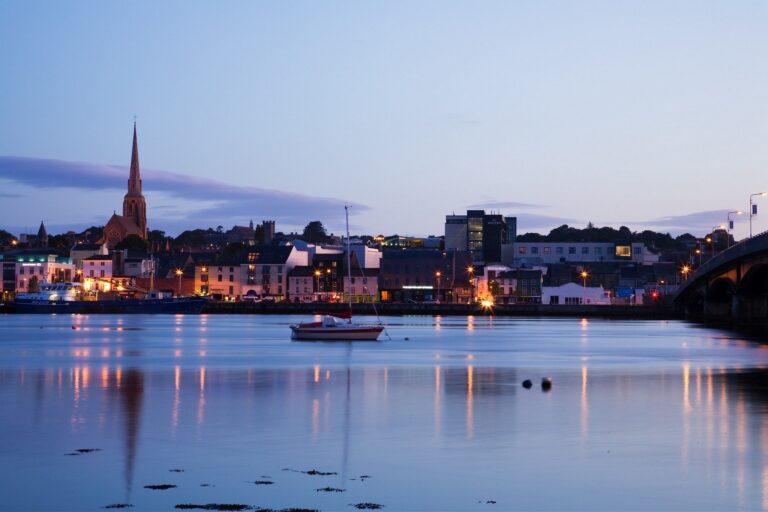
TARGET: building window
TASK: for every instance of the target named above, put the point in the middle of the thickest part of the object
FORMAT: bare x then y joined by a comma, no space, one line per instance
598,250
534,250
231,278
547,250
102,273
522,250
623,251
585,250
558,250
638,250
219,276
571,250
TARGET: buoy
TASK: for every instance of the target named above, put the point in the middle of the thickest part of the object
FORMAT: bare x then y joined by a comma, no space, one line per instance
527,384
546,383
407,339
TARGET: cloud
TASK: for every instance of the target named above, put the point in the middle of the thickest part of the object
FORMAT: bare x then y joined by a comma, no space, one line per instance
527,222
9,196
498,205
690,222
214,202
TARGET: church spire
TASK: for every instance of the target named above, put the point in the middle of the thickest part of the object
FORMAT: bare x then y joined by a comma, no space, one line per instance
134,180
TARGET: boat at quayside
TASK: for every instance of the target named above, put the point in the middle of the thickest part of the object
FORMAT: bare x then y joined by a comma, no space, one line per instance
70,298
332,326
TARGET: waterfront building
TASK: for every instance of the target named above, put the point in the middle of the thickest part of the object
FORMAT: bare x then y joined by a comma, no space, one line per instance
21,267
79,252
503,285
412,275
482,235
364,285
303,284
573,294
133,221
222,278
520,254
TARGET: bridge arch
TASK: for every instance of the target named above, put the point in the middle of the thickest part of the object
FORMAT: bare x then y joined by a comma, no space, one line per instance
721,290
755,281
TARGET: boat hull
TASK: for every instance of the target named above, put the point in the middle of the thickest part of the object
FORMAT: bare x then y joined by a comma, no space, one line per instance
182,305
356,333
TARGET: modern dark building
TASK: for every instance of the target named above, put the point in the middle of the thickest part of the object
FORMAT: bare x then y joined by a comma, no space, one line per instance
422,275
480,234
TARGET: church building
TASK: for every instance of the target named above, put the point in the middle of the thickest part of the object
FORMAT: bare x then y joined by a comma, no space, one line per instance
133,221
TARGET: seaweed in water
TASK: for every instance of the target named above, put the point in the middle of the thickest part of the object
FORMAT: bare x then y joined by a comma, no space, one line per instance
330,489
315,472
213,506
118,505
160,487
263,482
367,506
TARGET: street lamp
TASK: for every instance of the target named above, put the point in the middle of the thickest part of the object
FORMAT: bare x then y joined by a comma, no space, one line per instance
470,271
753,209
317,278
583,275
730,225
179,273
685,270
437,275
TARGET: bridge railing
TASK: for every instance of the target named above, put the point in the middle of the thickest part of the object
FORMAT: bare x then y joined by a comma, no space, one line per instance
758,243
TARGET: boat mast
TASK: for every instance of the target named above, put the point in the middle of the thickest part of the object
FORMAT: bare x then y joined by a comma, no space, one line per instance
349,263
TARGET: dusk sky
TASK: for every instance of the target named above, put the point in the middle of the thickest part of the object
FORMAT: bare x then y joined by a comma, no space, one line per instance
646,114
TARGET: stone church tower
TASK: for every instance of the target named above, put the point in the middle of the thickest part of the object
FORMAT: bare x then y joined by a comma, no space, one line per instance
134,205
133,221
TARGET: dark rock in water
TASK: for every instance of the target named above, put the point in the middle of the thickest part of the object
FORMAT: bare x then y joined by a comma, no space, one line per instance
88,450
73,454
206,485
293,509
213,506
263,482
118,505
546,383
491,502
367,506
364,477
315,472
330,489
160,487
527,384
175,470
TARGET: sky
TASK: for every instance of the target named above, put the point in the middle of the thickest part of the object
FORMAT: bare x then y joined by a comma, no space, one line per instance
647,114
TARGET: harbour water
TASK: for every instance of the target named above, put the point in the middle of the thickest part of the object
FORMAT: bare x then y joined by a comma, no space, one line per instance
642,415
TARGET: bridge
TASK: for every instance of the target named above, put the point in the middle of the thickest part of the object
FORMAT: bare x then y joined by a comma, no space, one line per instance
731,287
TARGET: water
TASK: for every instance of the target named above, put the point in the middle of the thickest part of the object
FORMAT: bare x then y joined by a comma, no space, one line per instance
642,415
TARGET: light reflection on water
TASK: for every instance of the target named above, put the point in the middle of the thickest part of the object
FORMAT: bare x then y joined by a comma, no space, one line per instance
641,415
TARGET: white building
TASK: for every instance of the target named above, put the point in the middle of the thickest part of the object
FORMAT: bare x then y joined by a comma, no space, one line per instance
572,293
44,267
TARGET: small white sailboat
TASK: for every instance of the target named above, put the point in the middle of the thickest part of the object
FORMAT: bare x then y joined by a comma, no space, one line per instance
332,326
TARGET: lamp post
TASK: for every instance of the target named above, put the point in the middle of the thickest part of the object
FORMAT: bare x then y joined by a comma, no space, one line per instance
437,276
730,225
470,271
179,273
317,279
584,275
685,270
753,209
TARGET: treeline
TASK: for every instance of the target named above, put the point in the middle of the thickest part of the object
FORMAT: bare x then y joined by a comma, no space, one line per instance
566,233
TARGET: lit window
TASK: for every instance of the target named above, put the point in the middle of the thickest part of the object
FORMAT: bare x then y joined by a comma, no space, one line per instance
623,251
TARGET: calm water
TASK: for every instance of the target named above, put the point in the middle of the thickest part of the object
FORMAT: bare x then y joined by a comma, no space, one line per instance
642,415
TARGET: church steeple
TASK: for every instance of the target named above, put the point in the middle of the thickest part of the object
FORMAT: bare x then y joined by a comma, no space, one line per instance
134,180
134,205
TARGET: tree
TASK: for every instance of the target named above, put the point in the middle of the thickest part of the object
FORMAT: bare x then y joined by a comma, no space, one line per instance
132,243
315,233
